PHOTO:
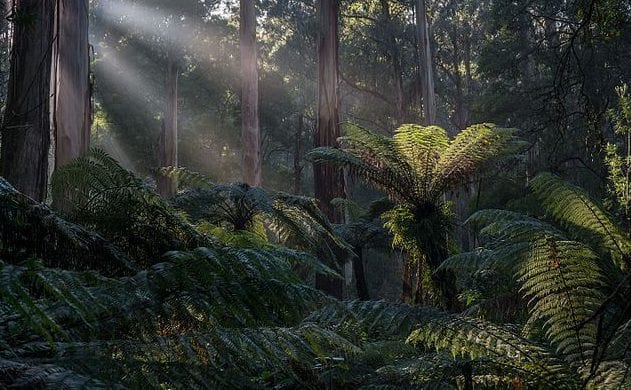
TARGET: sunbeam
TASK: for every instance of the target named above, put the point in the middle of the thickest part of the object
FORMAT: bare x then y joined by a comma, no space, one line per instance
170,29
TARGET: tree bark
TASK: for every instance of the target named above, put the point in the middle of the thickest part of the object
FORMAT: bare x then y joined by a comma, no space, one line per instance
167,186
395,58
250,131
429,97
360,275
72,114
459,99
298,155
328,179
26,127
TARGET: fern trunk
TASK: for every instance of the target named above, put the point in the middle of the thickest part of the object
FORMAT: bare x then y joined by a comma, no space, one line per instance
26,128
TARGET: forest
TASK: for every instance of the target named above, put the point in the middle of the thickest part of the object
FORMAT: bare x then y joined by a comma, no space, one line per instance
327,194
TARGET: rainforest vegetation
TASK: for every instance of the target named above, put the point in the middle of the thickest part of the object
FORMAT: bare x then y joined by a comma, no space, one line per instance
326,194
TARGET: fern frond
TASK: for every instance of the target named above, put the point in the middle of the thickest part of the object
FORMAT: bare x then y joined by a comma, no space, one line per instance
474,338
186,178
577,212
31,230
422,147
471,148
96,191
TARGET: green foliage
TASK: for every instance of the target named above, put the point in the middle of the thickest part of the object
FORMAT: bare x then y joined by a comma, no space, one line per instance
236,207
617,164
31,230
574,279
97,192
415,168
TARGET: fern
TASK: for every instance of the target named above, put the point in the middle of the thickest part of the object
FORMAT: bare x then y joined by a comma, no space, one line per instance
97,192
415,168
575,290
31,230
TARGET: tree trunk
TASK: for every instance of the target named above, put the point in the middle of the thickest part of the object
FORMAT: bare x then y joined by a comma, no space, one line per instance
26,127
72,114
360,275
328,179
429,97
459,100
167,186
395,58
250,131
298,155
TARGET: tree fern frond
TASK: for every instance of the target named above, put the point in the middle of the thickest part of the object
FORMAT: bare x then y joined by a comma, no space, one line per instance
576,211
96,191
381,176
471,148
422,148
31,230
34,376
474,338
564,285
186,178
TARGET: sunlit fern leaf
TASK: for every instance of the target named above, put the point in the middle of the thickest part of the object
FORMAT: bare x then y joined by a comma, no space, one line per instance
465,155
611,375
422,147
564,285
584,217
186,178
473,338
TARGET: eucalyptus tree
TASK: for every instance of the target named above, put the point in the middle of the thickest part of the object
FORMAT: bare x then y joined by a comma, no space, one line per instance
165,35
426,63
250,129
328,180
26,125
72,104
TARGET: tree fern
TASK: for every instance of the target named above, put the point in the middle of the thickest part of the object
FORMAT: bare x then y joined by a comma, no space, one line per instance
415,168
575,290
97,192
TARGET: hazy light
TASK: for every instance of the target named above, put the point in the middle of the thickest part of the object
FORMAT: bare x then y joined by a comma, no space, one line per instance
170,30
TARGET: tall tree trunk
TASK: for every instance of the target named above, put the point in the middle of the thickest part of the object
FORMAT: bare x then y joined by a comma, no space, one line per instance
167,186
72,114
250,131
328,180
26,127
459,100
395,58
298,155
429,97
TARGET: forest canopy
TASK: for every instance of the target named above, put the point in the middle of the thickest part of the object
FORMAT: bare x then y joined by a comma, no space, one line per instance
315,194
